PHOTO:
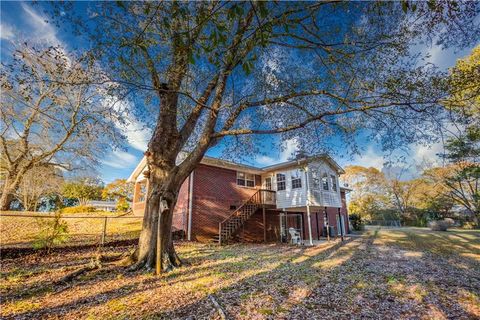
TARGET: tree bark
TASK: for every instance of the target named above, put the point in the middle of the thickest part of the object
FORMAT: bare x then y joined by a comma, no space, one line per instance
7,196
163,187
11,183
5,200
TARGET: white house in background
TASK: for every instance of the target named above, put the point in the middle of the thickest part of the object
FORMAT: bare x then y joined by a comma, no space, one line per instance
103,205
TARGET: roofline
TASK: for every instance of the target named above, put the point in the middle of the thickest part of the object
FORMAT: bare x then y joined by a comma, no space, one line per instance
225,163
305,160
216,162
138,169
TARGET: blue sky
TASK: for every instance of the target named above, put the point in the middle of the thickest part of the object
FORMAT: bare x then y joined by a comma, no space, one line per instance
20,21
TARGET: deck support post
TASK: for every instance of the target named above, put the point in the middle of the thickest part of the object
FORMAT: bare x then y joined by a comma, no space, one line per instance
308,207
341,223
264,225
326,224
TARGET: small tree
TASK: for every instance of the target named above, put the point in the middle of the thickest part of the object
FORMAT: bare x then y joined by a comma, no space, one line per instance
52,232
122,205
357,222
83,189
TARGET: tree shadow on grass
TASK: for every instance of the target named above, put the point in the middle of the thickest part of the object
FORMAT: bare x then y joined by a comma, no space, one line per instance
335,280
230,265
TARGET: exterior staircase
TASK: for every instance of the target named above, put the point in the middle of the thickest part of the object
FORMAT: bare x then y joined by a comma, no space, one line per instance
228,228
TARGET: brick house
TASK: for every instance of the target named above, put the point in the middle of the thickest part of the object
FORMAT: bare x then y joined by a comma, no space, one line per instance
223,200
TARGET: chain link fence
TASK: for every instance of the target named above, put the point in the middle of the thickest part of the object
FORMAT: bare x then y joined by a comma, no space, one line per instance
384,223
19,230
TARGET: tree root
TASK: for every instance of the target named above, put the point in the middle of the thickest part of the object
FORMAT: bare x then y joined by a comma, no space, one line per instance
114,258
220,311
94,264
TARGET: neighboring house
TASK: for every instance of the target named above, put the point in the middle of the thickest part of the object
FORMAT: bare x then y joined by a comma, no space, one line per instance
103,205
225,200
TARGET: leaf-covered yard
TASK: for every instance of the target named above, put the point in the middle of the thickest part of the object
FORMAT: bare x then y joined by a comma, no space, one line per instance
396,273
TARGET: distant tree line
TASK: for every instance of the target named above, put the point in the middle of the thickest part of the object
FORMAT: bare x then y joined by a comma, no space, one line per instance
450,191
45,189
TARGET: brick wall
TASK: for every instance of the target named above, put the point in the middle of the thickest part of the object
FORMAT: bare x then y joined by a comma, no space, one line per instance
138,207
215,190
180,213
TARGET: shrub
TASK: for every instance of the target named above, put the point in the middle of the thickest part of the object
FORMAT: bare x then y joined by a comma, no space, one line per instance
469,225
78,209
122,205
356,221
441,225
53,231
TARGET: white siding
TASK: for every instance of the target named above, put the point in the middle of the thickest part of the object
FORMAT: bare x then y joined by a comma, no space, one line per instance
318,196
292,198
288,198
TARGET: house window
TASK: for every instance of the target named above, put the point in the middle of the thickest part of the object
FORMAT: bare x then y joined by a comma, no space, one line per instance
268,183
315,179
296,180
325,181
334,182
245,179
281,182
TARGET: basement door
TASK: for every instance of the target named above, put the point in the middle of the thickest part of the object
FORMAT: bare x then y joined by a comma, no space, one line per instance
290,220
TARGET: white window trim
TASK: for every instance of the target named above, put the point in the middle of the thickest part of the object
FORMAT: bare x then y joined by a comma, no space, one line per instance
284,180
334,181
323,179
296,175
245,174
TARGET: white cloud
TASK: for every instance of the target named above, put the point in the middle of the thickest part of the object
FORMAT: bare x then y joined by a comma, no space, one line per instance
6,32
422,154
442,58
40,30
289,148
137,135
370,159
120,160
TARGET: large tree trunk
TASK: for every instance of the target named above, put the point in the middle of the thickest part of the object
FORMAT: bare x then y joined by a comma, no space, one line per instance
5,200
7,194
160,203
11,183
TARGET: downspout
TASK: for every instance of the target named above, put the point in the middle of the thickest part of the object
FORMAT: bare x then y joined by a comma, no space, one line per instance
190,204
